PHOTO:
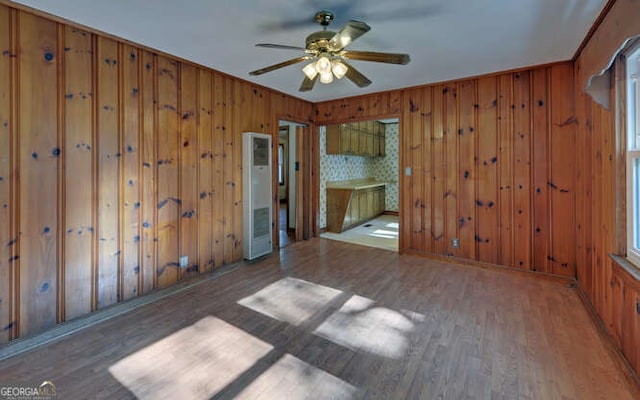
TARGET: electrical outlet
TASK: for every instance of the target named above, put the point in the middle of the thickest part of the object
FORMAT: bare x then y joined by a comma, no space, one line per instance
184,261
455,243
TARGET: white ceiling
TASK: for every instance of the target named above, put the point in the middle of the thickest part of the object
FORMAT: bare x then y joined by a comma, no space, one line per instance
446,39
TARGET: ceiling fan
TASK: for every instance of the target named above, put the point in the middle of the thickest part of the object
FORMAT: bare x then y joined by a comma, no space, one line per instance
327,50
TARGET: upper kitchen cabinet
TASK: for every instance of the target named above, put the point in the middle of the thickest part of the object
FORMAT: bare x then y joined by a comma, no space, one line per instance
364,139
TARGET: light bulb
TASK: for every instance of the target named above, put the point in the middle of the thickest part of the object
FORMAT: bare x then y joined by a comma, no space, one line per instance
326,77
310,70
339,69
323,65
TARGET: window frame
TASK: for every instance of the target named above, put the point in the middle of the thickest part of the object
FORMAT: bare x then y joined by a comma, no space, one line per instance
629,93
282,178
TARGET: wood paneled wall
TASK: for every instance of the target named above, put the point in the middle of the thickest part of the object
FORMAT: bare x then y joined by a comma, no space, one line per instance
114,161
600,221
492,163
613,292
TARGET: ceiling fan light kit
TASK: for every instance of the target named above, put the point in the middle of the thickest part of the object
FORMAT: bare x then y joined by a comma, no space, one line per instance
323,65
326,49
326,78
310,70
339,69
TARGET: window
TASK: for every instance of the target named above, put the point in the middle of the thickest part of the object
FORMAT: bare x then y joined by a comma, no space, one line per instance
281,164
633,153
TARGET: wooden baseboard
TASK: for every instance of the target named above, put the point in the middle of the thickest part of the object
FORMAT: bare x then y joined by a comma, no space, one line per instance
24,344
611,346
496,267
396,213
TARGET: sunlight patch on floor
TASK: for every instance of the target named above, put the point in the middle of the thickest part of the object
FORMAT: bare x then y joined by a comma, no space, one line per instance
193,363
381,232
290,300
384,234
292,378
362,325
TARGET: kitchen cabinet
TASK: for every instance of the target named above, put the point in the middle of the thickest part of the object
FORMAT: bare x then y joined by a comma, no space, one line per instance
366,139
351,203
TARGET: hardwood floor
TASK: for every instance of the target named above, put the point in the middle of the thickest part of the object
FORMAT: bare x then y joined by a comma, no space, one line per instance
325,319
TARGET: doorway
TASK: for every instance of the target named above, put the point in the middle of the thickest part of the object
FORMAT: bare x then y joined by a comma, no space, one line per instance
289,155
362,156
285,231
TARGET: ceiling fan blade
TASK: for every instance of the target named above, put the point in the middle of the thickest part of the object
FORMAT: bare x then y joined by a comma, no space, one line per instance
355,76
307,84
347,34
280,65
279,46
391,58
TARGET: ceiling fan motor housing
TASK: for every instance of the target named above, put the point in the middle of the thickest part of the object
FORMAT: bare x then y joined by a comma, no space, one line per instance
319,40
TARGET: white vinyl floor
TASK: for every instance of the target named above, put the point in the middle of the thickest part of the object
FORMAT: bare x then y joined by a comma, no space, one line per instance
381,232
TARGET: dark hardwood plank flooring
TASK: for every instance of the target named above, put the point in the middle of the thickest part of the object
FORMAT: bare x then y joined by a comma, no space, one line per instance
325,319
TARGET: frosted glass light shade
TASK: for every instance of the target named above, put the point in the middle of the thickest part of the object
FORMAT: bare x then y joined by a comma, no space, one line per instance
339,69
310,70
323,65
326,77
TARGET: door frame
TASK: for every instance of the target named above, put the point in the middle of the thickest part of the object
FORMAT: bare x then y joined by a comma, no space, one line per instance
306,180
402,178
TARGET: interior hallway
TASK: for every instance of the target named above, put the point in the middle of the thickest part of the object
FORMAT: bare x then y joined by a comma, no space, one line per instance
286,235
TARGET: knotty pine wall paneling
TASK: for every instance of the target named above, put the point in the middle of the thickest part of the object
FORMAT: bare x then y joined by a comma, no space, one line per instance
487,146
435,227
562,131
168,162
149,172
468,202
427,168
613,292
227,115
39,155
240,120
415,229
78,172
219,165
453,220
188,192
609,288
109,155
540,156
492,162
129,269
412,230
205,161
8,237
521,184
504,161
127,159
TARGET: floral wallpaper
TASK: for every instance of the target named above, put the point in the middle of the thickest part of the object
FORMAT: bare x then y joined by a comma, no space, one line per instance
342,167
386,168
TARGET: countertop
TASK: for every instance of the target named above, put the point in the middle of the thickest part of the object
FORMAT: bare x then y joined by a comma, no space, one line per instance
355,184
